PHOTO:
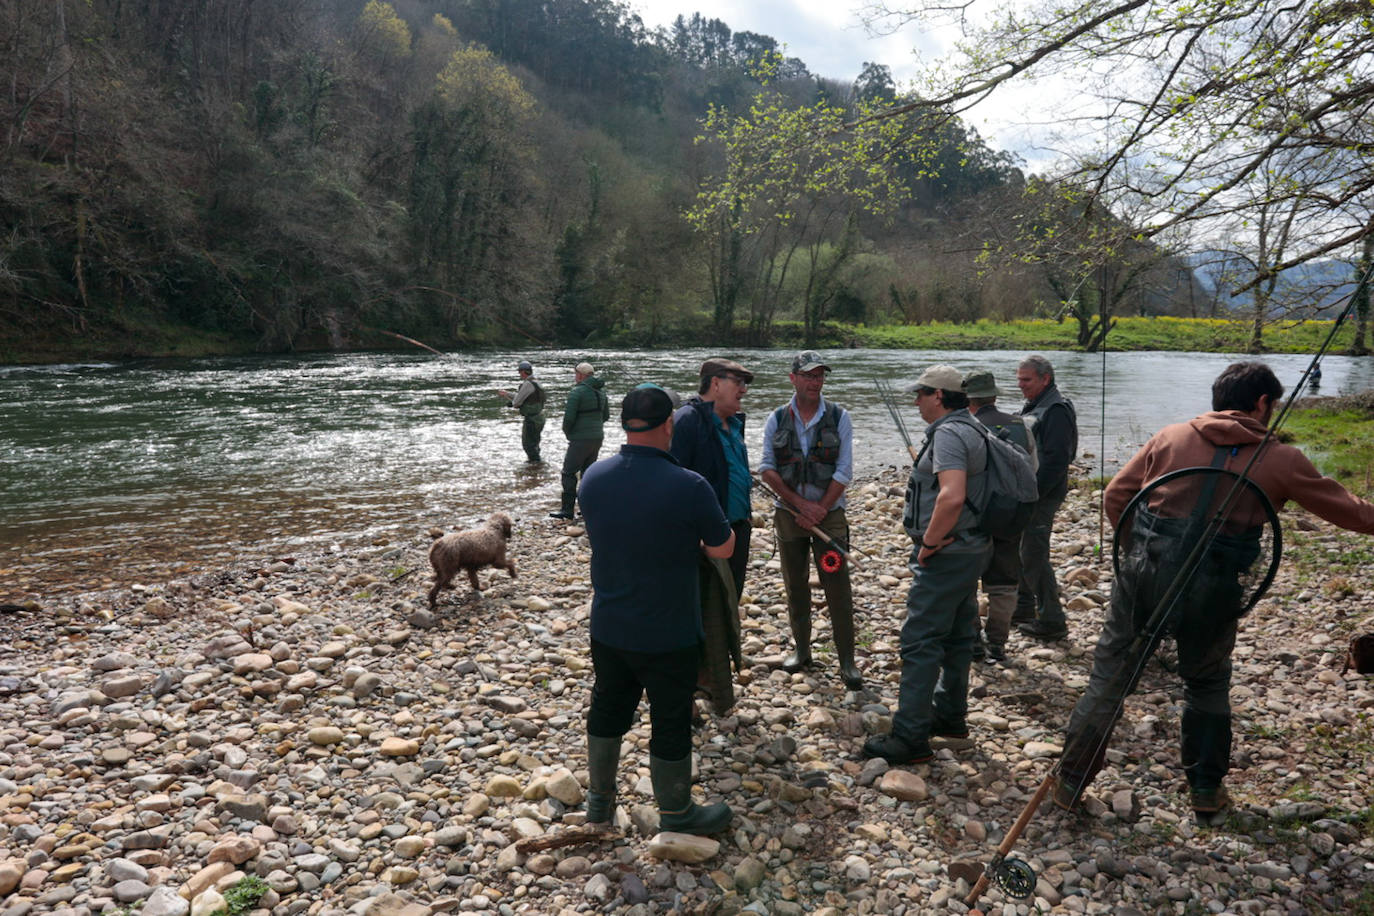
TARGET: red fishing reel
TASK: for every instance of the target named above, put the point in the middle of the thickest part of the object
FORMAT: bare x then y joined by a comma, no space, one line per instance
832,561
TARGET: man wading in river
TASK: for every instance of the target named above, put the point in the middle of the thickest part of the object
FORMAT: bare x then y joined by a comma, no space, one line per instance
529,400
1206,611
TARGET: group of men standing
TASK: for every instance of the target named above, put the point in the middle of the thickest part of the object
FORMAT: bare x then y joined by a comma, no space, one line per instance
647,530
680,487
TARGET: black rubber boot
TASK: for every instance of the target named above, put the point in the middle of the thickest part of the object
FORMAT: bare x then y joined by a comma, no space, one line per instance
1206,748
801,638
842,627
676,811
603,760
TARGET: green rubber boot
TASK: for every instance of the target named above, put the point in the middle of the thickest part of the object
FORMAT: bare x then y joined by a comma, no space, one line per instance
676,811
603,760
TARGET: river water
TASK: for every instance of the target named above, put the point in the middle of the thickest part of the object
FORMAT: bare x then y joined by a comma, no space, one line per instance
116,472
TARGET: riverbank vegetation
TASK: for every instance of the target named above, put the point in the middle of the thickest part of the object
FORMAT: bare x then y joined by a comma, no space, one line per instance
1338,435
467,172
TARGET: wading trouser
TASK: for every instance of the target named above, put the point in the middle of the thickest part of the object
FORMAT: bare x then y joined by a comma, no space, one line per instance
797,548
1038,595
937,643
1205,639
579,456
531,431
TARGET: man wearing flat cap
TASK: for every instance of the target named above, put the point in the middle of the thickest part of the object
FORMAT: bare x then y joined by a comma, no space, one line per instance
1002,575
708,437
648,521
808,461
946,560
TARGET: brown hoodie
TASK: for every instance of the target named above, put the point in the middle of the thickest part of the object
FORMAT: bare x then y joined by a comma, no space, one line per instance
1283,472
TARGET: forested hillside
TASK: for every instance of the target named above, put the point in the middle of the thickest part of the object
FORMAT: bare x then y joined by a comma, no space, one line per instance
305,173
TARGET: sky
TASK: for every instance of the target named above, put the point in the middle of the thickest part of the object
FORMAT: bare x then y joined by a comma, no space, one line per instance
830,38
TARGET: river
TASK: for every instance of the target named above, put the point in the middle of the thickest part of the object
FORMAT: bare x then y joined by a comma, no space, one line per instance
122,472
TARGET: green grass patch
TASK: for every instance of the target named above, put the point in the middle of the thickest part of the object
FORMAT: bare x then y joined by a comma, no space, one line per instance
1336,433
1211,335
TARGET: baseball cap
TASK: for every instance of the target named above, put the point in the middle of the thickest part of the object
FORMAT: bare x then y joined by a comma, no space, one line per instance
807,360
945,378
524,366
645,408
980,384
584,369
719,365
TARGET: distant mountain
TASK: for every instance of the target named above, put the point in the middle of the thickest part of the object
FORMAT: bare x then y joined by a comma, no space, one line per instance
1315,288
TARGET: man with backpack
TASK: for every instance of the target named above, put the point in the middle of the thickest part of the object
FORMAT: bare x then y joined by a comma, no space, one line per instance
529,400
947,480
1002,574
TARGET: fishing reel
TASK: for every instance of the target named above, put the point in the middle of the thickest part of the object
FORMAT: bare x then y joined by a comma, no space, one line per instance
1015,877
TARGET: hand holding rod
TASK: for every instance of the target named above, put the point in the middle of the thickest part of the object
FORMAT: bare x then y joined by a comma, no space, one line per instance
812,529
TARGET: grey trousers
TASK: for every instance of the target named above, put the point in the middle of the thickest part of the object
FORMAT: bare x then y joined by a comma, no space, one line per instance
1038,595
937,643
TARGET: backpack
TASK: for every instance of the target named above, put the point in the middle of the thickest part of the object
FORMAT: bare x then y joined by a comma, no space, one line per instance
1010,491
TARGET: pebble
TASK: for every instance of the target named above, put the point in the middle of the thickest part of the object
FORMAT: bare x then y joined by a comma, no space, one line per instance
363,755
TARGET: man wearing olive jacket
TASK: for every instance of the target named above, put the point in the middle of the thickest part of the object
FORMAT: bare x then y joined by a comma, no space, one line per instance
584,417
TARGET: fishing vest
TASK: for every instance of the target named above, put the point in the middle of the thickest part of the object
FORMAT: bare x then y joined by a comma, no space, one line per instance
817,466
534,404
1049,399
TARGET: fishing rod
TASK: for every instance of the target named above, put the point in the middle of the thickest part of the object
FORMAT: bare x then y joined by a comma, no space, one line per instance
1015,876
889,399
830,542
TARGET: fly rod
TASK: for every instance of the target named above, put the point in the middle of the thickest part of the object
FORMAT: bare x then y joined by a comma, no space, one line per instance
830,542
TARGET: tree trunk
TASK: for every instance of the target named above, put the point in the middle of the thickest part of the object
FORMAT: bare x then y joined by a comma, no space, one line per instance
1361,296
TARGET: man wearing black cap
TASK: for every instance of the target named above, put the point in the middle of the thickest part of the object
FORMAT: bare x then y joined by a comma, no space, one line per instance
708,437
529,400
947,559
808,460
648,520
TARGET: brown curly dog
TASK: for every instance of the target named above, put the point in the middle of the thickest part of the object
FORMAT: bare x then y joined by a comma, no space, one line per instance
470,550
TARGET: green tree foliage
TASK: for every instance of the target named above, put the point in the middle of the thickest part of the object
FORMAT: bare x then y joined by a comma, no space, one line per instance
1197,99
298,174
471,179
785,201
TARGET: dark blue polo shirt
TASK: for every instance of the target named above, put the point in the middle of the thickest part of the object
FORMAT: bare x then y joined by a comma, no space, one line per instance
646,518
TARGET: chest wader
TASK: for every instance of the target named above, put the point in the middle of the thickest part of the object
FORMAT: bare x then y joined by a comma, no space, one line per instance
1188,575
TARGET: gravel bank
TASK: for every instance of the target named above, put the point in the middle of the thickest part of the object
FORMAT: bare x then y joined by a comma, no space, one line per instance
307,721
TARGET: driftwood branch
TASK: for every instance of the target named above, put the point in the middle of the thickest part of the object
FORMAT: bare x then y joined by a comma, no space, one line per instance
588,833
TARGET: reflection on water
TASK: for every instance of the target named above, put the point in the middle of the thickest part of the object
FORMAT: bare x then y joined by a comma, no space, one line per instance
118,470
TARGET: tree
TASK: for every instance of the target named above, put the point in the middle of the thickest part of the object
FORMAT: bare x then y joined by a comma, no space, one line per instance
790,181
1205,95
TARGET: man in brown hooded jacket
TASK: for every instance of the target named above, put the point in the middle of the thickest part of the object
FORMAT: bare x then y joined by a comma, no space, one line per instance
1243,400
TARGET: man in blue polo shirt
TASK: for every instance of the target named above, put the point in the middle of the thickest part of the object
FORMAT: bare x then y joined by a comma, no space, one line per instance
648,519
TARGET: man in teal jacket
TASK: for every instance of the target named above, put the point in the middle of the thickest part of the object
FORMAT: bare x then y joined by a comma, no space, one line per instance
584,419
